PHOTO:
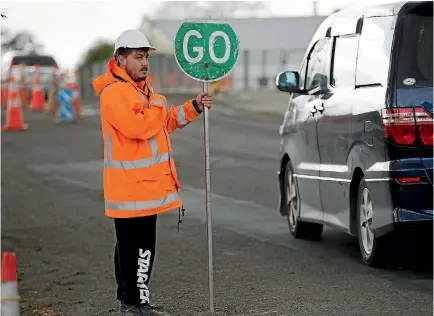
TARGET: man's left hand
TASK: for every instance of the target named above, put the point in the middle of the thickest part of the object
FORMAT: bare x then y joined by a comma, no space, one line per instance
204,99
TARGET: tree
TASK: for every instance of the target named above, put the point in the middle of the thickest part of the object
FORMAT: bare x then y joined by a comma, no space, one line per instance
21,41
100,51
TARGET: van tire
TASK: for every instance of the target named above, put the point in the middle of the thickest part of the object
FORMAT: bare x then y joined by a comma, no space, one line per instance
375,252
291,196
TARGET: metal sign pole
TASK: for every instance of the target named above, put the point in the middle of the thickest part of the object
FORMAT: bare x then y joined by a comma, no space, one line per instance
197,45
208,204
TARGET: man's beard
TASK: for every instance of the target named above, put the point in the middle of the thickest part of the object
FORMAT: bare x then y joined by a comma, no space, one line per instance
137,78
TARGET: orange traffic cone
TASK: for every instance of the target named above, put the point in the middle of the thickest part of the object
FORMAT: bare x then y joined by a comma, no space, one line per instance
184,80
172,80
10,300
76,103
197,84
14,111
52,105
38,94
156,84
24,95
4,95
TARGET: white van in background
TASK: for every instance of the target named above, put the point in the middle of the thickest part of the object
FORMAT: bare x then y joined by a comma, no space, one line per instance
12,60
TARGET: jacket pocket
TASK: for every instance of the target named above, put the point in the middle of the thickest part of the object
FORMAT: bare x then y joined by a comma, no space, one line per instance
154,173
154,189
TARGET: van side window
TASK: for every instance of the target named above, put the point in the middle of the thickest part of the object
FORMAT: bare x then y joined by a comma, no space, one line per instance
375,46
416,50
317,61
343,68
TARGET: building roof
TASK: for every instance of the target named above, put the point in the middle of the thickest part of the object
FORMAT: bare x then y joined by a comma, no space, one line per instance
157,38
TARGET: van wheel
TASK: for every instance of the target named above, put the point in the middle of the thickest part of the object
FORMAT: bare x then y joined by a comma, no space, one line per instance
298,229
374,251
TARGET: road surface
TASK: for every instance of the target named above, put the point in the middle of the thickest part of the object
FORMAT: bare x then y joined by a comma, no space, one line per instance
53,217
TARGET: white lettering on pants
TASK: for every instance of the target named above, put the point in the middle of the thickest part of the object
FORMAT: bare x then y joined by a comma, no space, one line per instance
143,267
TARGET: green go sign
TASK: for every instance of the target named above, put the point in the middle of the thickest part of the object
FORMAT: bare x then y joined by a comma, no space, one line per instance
206,50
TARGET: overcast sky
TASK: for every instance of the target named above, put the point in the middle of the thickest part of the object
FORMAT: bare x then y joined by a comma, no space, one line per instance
68,28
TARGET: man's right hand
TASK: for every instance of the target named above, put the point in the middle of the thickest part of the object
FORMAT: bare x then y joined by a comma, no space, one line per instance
204,99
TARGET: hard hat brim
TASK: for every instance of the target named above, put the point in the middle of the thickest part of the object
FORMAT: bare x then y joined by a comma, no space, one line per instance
148,47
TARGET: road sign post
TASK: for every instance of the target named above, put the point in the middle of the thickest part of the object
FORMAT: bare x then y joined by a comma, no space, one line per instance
207,51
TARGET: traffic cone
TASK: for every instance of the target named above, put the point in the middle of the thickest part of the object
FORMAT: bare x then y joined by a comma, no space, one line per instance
38,95
172,80
14,111
76,103
197,84
156,84
24,94
184,80
52,104
4,95
10,300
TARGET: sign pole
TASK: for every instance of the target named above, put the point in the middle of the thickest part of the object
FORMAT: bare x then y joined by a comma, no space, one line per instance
206,51
208,204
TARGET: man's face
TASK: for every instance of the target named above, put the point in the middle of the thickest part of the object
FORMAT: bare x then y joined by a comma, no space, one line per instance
136,65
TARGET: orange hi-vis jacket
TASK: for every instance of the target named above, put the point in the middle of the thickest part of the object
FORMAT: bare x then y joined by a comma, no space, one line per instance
140,177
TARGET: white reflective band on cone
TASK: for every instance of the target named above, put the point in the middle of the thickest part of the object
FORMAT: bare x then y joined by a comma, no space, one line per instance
10,301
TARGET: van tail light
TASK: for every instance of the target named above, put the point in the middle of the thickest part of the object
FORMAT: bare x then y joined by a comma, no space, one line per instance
408,126
408,179
424,123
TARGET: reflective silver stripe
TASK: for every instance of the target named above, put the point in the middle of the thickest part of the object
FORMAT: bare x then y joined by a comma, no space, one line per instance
134,164
154,146
142,205
109,147
181,116
161,102
158,101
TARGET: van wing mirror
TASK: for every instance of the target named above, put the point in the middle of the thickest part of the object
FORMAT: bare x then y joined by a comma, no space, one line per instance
288,81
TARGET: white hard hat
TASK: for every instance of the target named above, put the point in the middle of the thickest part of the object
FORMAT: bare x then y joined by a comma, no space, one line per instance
133,39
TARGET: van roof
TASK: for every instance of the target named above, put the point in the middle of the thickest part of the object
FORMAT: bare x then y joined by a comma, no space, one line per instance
367,10
373,10
354,13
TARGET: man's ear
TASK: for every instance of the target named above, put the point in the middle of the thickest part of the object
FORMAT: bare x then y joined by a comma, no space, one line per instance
122,61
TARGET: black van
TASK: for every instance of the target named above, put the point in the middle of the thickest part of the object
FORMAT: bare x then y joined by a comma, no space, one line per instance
357,137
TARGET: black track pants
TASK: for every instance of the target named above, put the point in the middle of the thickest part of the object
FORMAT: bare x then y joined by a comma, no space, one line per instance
134,256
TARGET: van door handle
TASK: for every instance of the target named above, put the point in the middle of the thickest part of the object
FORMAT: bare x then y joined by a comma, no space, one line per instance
320,108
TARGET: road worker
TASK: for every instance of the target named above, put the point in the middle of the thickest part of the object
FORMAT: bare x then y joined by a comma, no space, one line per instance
140,179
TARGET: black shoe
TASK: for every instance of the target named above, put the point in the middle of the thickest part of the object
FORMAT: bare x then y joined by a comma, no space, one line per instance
141,310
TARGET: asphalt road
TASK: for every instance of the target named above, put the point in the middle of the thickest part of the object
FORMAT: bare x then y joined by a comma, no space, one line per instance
53,217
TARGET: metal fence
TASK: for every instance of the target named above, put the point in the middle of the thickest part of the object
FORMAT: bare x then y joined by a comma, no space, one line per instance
255,69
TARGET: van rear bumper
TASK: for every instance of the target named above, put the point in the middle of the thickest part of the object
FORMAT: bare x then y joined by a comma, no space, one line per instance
401,215
401,204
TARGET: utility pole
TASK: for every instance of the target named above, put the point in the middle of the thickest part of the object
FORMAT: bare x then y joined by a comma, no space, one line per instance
315,8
